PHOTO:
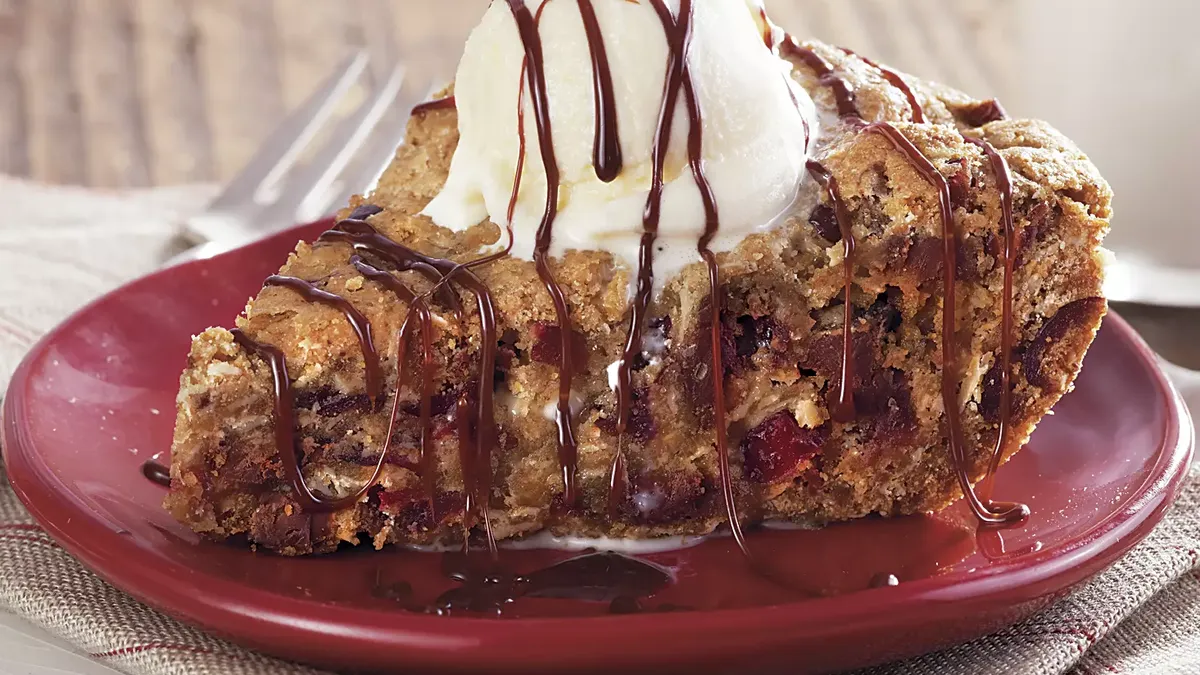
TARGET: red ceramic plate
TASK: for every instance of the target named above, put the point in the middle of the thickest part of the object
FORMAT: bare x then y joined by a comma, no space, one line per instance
96,398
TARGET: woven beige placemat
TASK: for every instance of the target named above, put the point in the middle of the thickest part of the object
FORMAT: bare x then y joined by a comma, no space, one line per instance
1140,616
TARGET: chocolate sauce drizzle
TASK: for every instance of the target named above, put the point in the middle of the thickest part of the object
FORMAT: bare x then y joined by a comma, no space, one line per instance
843,93
419,307
897,81
477,463
284,423
362,327
536,72
712,225
678,38
843,410
1003,179
444,103
489,588
475,412
606,152
988,512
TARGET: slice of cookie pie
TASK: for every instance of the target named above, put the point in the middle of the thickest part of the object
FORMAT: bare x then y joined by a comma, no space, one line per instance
647,268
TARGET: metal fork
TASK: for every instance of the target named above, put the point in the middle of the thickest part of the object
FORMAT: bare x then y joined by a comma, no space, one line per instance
281,186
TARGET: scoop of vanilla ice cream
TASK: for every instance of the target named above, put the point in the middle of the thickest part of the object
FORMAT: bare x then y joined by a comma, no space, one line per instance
755,124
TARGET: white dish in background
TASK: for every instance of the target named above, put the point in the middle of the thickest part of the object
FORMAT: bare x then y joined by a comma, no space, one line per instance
1122,79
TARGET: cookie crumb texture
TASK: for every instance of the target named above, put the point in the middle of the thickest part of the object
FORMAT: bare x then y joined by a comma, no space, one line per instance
781,345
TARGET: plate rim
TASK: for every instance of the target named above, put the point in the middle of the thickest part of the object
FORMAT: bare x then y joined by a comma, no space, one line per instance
478,642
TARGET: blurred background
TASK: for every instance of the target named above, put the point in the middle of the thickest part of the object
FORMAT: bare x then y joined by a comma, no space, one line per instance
131,93
135,93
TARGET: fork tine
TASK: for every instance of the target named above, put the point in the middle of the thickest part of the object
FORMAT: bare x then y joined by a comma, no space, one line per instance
363,173
306,194
361,177
283,147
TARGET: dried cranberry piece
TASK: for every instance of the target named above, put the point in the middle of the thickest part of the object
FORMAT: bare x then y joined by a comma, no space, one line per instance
885,399
655,498
1032,233
824,220
980,113
329,402
279,525
411,508
1072,317
439,404
641,426
547,345
960,185
777,448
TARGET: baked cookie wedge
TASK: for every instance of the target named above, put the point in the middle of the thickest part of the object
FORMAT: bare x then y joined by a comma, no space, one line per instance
923,299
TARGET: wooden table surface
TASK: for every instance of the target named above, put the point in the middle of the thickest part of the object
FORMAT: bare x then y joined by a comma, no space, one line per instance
131,93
